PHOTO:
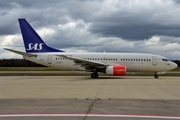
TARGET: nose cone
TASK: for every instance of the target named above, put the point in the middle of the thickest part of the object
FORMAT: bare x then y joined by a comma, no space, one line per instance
174,65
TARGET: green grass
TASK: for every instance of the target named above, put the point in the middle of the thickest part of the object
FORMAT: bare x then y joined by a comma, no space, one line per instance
28,69
177,69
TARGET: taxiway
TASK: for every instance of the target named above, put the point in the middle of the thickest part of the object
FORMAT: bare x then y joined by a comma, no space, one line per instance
80,97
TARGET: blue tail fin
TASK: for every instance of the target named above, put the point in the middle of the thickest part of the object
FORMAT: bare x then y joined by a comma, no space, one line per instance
32,41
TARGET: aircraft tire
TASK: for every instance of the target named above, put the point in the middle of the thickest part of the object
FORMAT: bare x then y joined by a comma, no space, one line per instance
156,76
94,75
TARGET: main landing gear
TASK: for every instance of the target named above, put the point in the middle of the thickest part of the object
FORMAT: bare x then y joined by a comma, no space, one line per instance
156,76
94,75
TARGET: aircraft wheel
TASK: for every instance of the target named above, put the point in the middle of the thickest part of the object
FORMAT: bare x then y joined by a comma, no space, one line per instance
156,76
94,75
97,75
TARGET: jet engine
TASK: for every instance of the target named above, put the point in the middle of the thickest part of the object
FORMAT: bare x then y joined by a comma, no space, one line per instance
116,70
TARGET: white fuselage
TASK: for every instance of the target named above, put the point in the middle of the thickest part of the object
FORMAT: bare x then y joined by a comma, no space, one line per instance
135,62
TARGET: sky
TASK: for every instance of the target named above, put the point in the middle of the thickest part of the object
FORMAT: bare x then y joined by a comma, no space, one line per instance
125,26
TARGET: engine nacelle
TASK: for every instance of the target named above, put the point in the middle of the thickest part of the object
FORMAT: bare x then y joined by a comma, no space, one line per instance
116,70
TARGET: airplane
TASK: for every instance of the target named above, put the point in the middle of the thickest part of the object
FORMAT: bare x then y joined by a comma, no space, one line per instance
113,64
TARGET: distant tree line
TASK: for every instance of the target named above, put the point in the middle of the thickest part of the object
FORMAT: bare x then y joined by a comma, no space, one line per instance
177,62
18,63
25,63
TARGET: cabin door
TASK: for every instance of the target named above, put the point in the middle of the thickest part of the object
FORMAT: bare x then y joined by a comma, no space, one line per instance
154,60
49,59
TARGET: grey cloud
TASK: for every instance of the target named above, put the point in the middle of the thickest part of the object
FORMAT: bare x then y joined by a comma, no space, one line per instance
177,1
13,29
168,39
137,23
111,25
135,31
26,3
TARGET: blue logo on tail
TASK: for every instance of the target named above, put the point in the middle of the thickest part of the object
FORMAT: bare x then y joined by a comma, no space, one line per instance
36,46
32,41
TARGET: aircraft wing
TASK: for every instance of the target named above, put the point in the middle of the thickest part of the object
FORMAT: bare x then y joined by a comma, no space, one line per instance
21,53
85,63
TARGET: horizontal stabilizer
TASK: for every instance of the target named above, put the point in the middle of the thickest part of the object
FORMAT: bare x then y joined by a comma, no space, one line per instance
21,53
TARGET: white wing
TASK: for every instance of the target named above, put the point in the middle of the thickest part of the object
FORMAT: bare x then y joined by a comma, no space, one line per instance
87,64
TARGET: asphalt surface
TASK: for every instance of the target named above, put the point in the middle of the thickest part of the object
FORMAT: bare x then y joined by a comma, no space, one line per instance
83,98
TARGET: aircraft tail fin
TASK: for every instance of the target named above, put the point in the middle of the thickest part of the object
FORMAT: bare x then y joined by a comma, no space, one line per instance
32,41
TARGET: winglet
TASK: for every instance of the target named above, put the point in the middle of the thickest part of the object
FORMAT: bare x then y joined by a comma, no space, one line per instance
32,41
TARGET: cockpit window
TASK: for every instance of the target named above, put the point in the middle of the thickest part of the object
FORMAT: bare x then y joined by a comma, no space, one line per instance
164,59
